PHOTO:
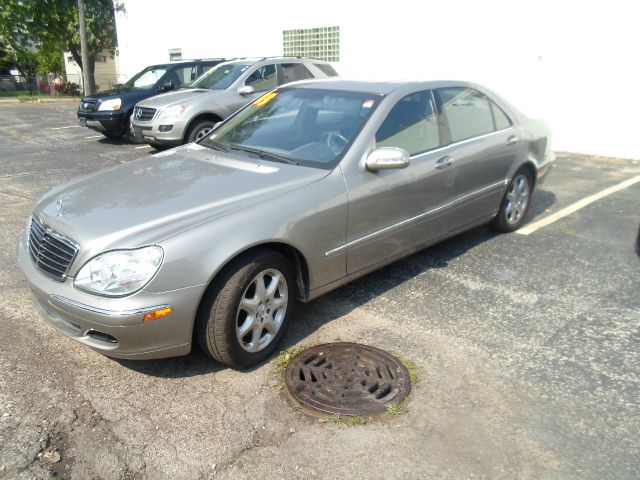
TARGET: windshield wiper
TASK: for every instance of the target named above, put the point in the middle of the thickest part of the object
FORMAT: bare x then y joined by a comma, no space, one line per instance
265,155
217,146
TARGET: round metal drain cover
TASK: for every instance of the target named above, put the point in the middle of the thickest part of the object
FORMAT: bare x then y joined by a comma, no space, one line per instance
347,378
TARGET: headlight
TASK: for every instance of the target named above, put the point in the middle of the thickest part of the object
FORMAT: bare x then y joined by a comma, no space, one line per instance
113,104
119,272
172,112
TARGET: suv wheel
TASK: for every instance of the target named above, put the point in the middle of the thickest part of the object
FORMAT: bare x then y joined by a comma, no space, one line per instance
200,130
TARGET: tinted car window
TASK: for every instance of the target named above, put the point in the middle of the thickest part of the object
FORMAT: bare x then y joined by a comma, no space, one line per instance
411,124
185,75
500,118
468,112
220,77
326,69
146,78
264,78
294,71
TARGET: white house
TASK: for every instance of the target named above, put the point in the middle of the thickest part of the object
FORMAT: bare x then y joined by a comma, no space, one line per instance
572,62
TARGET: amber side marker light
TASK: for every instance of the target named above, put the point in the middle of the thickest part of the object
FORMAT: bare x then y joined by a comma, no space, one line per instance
155,314
266,98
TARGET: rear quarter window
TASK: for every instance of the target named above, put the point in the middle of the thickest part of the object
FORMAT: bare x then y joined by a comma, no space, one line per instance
327,69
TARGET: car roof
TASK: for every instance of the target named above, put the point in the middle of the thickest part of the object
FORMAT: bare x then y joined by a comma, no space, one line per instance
185,62
276,58
382,88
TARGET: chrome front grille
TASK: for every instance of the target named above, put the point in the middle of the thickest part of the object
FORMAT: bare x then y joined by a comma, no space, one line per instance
143,114
51,251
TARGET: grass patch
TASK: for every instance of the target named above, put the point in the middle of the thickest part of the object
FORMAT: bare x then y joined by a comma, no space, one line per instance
28,98
411,367
280,363
395,409
335,418
355,420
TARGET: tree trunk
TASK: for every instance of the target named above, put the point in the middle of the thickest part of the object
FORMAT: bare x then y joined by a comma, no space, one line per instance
92,67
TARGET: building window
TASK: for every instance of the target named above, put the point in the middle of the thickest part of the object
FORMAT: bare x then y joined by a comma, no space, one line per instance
322,43
175,54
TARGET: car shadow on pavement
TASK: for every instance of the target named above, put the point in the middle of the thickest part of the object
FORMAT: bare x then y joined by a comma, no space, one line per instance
541,201
310,317
192,365
124,140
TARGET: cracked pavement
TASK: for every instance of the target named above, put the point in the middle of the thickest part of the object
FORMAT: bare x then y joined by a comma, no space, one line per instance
526,347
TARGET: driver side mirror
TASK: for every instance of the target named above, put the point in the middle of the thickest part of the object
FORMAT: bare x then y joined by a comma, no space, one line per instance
246,90
384,158
167,86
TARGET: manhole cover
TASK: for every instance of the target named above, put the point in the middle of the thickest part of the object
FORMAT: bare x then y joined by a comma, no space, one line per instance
347,378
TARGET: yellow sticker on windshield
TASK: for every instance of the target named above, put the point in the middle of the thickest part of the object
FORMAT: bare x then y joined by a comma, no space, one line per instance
263,100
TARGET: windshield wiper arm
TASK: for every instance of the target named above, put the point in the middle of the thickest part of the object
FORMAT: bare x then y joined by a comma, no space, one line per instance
217,146
263,154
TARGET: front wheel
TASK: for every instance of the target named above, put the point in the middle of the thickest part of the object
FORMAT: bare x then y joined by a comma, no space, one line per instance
200,130
244,314
515,203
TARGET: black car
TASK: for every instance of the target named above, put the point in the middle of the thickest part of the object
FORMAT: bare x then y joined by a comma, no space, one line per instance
109,112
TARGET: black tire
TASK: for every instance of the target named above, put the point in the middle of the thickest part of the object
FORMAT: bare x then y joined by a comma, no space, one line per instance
196,131
221,316
513,211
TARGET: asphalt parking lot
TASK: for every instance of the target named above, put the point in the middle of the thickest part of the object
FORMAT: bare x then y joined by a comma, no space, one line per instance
527,347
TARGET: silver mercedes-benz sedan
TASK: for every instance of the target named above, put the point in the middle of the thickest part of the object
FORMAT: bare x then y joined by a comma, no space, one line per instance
305,189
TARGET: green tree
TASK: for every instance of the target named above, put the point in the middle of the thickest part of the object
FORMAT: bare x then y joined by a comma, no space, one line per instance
27,63
53,24
6,60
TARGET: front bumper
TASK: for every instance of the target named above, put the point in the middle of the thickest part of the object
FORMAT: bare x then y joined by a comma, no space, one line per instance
113,326
149,132
114,123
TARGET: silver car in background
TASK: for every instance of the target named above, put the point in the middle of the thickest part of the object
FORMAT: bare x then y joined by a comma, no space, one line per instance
188,114
307,188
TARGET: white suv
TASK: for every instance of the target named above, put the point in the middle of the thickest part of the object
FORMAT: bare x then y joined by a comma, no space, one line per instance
188,114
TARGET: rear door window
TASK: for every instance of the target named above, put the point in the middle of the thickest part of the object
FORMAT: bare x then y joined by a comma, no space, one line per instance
411,125
468,112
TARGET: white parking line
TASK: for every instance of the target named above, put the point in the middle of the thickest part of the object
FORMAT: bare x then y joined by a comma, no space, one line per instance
70,126
143,146
532,227
94,136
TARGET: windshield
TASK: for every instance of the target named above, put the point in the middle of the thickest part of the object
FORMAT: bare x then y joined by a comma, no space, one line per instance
220,77
146,78
296,125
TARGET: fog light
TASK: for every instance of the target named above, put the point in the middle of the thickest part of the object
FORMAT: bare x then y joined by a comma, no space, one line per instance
165,128
159,313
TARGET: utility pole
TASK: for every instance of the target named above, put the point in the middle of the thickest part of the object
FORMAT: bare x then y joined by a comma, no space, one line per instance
84,50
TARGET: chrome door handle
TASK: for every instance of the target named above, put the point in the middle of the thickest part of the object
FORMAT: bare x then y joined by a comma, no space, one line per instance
512,140
444,162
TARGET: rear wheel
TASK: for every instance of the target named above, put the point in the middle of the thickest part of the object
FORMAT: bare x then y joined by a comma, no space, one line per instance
200,130
515,203
244,314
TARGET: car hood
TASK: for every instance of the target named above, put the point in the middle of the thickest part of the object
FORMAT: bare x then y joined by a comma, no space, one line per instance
117,92
156,197
179,97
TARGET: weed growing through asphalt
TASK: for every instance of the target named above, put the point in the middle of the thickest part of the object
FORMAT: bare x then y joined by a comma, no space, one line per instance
335,418
395,409
281,362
